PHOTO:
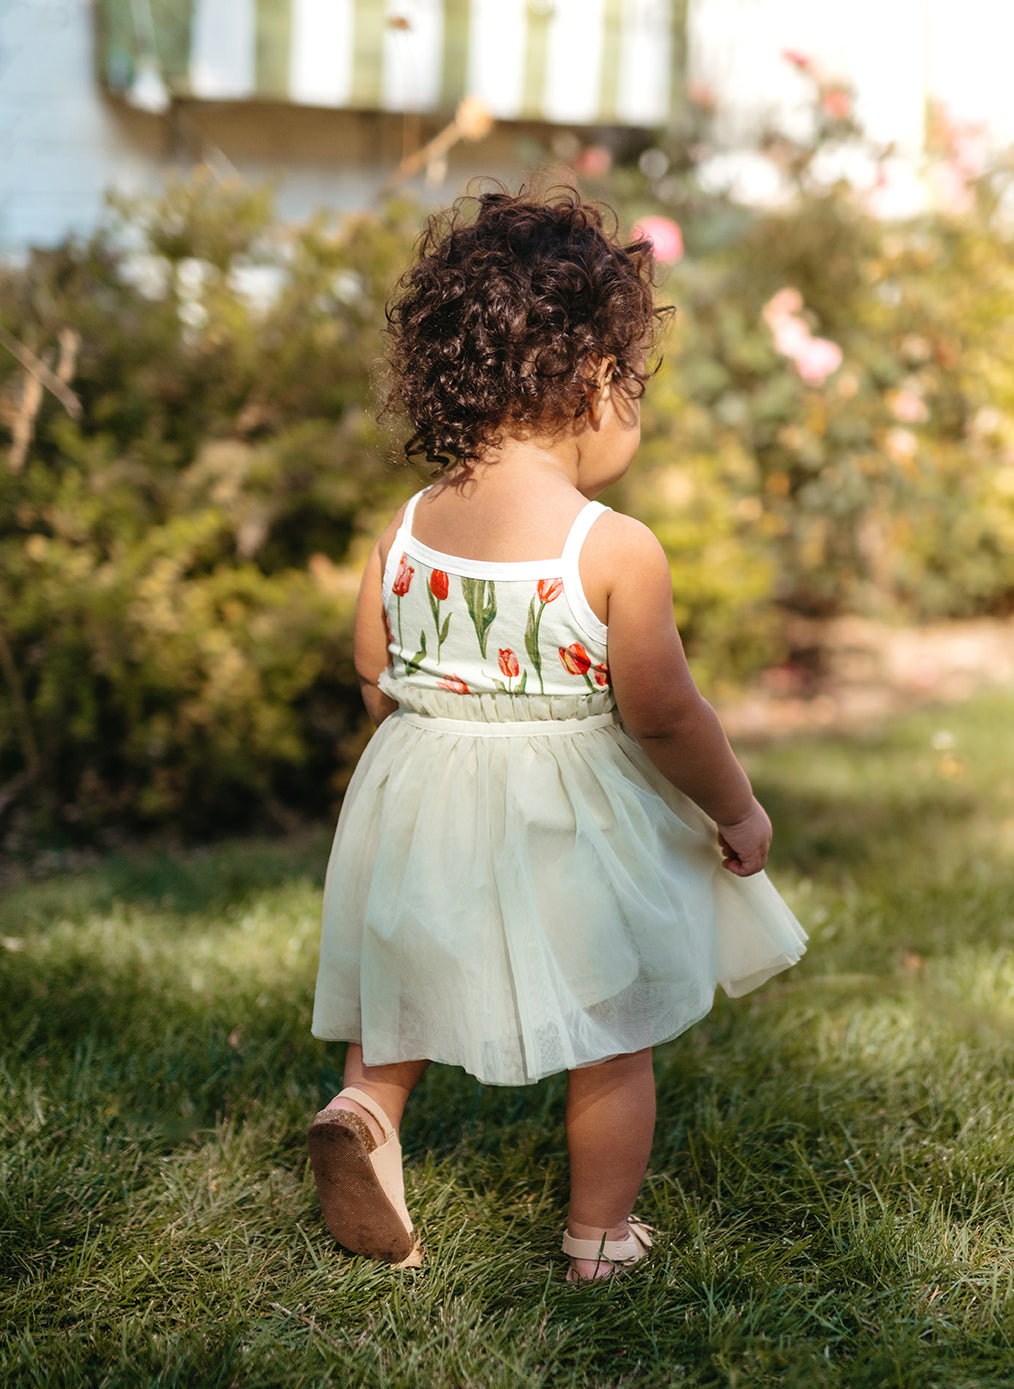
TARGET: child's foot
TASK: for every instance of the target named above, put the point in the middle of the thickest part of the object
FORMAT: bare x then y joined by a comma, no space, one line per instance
596,1253
352,1106
356,1160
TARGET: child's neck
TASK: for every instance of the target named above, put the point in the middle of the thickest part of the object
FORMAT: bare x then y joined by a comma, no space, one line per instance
549,467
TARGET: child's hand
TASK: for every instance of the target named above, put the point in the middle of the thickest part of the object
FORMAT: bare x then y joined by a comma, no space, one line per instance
745,844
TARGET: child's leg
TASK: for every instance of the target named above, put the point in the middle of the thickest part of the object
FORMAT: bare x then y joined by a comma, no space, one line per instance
610,1125
356,1161
390,1086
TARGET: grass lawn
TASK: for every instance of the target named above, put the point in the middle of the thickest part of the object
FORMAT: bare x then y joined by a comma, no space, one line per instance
833,1171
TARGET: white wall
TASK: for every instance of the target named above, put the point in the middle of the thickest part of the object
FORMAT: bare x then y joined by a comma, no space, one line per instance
897,54
63,142
60,144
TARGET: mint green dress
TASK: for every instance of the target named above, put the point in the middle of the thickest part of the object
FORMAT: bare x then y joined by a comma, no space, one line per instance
514,888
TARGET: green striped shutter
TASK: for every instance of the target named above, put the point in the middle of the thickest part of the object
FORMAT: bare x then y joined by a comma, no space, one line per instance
577,62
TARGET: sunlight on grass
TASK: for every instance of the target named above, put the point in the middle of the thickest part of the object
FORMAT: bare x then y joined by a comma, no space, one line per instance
831,1176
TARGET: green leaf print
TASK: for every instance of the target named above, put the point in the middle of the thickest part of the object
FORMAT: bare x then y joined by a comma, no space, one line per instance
480,600
532,637
411,666
546,591
436,591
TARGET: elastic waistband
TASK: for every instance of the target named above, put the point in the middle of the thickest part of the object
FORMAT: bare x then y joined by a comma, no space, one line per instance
531,728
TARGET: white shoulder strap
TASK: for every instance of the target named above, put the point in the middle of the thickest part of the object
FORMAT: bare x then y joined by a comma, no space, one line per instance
583,522
397,548
406,521
570,565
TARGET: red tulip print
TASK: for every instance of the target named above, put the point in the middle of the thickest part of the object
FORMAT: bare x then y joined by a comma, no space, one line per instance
509,664
546,591
601,674
575,658
403,578
402,584
455,684
438,587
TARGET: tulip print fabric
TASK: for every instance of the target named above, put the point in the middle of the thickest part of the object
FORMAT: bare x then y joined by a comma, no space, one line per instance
514,888
478,628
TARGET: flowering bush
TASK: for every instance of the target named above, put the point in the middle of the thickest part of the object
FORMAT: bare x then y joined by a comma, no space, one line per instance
833,426
193,475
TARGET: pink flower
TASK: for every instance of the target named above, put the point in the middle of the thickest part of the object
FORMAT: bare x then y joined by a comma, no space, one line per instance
837,104
664,235
601,674
908,405
594,160
575,658
785,304
509,664
817,359
403,578
797,59
814,358
701,95
455,684
791,336
548,589
438,584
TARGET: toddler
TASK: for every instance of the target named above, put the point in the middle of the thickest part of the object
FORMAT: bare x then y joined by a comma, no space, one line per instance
548,856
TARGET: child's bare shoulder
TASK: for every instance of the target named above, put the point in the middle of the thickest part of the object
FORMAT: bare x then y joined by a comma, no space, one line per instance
622,560
624,545
389,532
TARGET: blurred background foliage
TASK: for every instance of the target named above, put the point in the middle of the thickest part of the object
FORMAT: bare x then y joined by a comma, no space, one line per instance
831,430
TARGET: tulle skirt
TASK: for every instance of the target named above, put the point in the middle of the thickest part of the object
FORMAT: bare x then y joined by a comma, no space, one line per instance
515,889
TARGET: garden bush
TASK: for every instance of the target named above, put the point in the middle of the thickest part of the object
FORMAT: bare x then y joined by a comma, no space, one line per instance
178,565
831,429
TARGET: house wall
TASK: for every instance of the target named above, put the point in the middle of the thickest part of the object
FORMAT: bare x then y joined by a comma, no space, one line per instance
63,141
897,54
61,145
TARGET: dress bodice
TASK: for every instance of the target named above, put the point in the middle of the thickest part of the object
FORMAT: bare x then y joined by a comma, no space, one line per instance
476,627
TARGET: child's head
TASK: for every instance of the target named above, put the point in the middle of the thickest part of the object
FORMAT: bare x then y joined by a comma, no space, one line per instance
503,323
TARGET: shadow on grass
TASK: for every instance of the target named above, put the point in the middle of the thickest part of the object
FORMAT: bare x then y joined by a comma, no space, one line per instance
191,885
831,1169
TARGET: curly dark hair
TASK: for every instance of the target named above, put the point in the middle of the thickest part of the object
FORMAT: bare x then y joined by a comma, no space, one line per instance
503,319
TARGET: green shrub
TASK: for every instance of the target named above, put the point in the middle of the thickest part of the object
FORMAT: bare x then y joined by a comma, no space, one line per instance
178,566
179,555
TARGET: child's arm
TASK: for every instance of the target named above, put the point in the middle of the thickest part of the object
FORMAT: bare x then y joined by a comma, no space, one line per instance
370,644
657,697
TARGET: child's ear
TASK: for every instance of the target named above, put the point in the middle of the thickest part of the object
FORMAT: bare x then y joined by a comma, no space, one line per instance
599,393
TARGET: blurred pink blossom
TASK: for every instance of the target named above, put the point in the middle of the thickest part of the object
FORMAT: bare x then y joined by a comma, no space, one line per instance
594,160
702,95
951,187
908,406
797,59
901,445
664,235
837,104
785,304
814,358
791,336
817,359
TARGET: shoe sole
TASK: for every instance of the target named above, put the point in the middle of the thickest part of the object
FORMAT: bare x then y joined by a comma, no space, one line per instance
355,1206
